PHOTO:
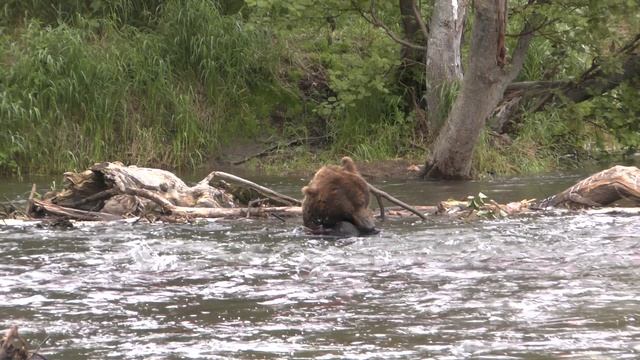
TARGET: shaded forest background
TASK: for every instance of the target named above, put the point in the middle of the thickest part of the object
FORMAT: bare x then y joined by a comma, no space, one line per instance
176,84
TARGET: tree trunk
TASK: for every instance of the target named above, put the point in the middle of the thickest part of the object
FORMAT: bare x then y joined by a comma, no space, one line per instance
443,57
412,63
482,89
411,30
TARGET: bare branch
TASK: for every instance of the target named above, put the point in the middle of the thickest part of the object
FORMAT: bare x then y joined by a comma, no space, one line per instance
631,45
260,189
30,200
75,214
527,86
599,82
377,192
419,20
535,29
380,205
520,52
375,21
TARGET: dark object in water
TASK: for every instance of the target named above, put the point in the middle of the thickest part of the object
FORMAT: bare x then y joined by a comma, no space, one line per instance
14,347
56,223
342,229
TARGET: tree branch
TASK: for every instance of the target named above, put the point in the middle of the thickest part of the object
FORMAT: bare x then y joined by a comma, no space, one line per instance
520,52
378,23
529,86
260,189
377,192
598,82
593,82
419,20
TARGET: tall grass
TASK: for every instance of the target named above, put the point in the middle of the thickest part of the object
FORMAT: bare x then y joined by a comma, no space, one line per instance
543,139
130,12
372,130
97,89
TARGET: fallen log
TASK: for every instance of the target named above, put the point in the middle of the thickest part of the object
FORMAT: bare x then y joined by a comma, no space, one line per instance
111,191
170,209
95,189
46,207
598,190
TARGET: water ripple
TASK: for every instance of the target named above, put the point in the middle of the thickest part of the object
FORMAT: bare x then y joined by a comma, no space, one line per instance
559,286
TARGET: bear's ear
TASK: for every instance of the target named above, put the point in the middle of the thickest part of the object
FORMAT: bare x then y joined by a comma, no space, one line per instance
308,190
349,165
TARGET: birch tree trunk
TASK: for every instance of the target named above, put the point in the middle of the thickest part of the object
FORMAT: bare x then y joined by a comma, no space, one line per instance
482,89
443,57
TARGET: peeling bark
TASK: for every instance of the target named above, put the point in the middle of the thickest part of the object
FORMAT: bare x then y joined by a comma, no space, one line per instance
110,187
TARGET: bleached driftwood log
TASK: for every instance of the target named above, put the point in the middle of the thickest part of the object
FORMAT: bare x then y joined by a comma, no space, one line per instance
601,189
107,187
112,191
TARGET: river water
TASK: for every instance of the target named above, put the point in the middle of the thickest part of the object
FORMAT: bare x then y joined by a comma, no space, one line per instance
538,287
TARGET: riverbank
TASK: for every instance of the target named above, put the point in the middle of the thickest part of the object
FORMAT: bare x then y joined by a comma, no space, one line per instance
192,87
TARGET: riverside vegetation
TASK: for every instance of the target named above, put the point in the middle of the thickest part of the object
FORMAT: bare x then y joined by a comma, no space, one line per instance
175,83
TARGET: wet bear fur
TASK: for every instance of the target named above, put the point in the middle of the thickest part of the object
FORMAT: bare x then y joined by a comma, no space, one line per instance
336,202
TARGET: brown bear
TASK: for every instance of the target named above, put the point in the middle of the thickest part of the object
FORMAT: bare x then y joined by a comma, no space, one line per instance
336,201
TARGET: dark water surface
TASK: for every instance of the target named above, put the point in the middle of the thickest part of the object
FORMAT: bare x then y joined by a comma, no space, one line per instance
541,287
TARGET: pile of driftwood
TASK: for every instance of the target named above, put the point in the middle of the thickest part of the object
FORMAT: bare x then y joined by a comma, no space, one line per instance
111,191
